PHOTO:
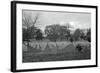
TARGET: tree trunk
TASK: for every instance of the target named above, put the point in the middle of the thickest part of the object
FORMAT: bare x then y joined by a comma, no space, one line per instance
56,49
56,45
39,45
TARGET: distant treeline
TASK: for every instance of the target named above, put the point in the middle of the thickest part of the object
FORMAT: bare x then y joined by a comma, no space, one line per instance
56,32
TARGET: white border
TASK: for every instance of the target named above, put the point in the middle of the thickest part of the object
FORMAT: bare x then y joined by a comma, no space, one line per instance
37,65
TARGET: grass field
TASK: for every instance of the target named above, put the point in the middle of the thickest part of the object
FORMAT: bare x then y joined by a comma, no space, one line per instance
41,52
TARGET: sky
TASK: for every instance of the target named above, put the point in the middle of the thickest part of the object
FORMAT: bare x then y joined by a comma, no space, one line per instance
45,18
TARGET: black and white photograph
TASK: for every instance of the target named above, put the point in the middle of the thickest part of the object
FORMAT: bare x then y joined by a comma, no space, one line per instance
55,36
48,36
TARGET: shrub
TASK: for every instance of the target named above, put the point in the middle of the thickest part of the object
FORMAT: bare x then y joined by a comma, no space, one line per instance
79,47
83,48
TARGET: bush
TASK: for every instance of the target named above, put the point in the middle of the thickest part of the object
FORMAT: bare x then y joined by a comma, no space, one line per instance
83,48
79,47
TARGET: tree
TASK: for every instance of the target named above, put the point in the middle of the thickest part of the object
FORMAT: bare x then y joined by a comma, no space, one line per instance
64,32
56,31
88,35
52,32
82,35
76,34
39,35
29,29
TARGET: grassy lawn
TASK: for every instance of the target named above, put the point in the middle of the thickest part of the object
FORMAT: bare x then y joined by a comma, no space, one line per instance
64,51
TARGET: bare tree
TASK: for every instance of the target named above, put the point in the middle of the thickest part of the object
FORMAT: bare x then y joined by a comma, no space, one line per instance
28,22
